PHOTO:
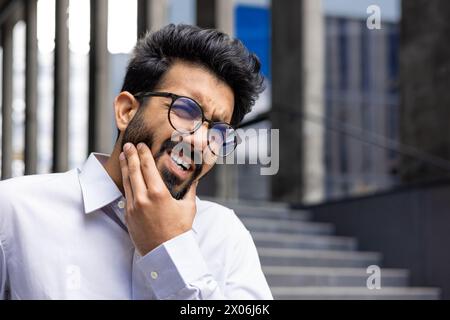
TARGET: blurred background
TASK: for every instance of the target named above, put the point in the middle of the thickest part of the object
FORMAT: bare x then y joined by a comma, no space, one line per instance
349,74
358,89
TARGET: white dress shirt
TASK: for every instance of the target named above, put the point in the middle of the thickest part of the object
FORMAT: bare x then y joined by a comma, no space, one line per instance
58,242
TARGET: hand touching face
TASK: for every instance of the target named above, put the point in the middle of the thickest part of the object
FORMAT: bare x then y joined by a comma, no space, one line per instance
153,216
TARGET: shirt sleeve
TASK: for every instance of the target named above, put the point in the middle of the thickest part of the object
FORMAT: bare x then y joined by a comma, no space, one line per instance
177,270
2,273
5,208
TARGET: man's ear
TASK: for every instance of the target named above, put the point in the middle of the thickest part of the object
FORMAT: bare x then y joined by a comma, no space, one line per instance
125,107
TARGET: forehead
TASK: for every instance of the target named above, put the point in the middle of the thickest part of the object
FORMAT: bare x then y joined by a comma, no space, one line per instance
195,81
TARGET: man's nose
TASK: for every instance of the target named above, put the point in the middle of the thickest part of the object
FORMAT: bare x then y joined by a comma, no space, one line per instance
199,139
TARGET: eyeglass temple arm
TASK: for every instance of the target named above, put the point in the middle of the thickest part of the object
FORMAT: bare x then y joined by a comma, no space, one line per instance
154,94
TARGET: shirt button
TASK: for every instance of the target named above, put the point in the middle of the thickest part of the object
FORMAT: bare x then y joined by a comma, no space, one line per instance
121,204
154,275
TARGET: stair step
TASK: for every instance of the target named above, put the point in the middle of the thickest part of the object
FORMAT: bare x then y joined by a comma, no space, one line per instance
352,293
297,227
261,209
347,277
317,258
304,260
270,213
289,240
248,203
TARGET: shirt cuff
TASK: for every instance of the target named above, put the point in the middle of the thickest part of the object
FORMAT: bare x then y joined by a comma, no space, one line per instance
173,265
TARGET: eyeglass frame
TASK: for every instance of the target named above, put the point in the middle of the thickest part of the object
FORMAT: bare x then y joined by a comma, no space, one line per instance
174,97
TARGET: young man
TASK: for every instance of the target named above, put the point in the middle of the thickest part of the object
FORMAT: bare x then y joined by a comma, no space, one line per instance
129,225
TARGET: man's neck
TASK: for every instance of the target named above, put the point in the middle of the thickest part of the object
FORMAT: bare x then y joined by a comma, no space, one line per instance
112,167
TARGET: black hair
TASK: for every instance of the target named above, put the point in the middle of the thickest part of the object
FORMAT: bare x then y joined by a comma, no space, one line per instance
225,57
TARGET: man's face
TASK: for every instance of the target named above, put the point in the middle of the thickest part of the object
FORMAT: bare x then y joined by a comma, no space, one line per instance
150,124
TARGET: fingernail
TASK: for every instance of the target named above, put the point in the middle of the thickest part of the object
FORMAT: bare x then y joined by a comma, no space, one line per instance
122,156
127,146
140,146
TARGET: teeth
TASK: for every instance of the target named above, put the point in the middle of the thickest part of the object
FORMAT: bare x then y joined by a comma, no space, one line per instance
180,162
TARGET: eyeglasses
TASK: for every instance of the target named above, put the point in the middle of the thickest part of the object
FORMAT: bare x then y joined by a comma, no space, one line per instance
186,116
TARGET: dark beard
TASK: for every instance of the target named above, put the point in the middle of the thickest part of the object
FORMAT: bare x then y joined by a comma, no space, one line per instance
171,180
137,132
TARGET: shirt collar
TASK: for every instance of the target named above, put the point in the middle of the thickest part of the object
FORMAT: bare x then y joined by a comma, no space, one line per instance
97,187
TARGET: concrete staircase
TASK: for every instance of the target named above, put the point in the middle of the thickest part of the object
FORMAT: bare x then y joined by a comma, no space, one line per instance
305,260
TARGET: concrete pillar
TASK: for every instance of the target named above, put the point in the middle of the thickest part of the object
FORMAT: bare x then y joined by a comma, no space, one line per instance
152,15
222,180
313,87
333,139
7,98
224,11
297,91
61,89
100,108
424,85
206,18
354,106
227,174
218,14
206,13
31,87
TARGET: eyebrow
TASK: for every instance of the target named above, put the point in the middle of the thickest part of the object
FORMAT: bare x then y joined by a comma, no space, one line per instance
216,119
197,98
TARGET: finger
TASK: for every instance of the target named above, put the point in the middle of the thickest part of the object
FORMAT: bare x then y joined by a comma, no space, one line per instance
134,171
125,177
150,172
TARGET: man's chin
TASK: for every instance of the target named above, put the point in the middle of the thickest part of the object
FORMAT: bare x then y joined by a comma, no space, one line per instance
177,183
177,188
178,193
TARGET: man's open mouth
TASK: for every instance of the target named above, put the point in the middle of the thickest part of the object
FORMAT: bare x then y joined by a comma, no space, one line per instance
183,162
180,161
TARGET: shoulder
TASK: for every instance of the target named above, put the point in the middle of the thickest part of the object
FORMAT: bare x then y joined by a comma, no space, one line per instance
215,216
28,191
26,186
25,196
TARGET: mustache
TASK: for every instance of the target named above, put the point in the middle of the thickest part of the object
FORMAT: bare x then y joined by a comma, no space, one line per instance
171,180
194,155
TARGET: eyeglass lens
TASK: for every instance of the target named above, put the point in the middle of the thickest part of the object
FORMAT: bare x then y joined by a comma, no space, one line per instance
186,117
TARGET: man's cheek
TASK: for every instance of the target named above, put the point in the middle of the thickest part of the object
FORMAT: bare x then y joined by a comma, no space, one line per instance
159,165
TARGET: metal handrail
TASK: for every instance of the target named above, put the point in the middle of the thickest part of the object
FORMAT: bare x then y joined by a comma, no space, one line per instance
358,134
